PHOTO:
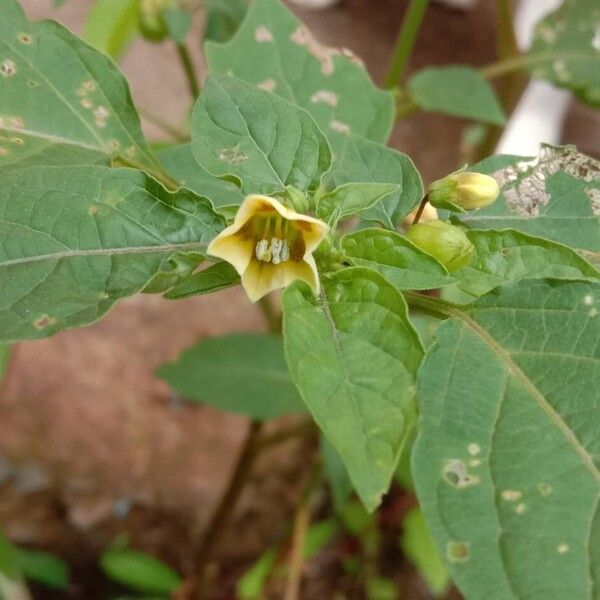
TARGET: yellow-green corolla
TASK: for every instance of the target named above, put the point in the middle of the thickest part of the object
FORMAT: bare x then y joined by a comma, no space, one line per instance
270,246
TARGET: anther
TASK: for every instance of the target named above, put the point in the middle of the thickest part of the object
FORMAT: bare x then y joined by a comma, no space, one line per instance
262,251
285,251
276,245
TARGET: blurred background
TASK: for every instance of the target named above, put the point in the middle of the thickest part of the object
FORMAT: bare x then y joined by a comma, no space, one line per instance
92,444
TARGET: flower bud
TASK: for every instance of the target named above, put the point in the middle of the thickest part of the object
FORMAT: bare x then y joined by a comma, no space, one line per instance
443,241
429,213
152,20
465,190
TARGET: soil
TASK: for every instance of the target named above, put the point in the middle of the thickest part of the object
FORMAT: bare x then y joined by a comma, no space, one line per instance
92,444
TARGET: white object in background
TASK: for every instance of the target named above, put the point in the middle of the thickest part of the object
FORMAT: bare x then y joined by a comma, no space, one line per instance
315,3
461,4
540,113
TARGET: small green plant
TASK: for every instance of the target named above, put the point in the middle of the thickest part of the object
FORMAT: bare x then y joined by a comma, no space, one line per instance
286,183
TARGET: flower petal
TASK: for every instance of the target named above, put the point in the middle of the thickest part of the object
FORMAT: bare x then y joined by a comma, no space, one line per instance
260,278
234,249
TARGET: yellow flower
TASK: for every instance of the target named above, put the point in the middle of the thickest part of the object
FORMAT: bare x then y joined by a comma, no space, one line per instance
270,246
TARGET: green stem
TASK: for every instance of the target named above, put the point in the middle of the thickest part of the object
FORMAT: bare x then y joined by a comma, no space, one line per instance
189,70
157,173
518,63
435,307
509,88
507,42
405,41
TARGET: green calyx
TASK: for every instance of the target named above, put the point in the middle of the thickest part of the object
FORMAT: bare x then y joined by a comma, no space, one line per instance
445,242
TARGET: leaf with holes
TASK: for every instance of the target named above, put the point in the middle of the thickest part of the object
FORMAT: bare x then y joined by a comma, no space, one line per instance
353,355
75,240
456,90
275,51
61,101
365,161
257,138
241,373
507,255
566,49
554,196
396,258
507,462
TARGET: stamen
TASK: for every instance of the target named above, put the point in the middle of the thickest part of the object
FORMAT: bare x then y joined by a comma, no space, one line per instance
262,251
285,251
276,245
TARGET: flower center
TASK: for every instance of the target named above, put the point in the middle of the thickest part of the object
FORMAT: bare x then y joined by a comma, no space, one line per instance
275,251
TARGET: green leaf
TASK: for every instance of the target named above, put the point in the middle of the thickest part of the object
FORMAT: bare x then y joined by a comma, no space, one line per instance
75,240
566,49
174,270
212,279
555,196
43,567
242,132
274,50
4,361
139,571
251,584
9,564
179,162
111,25
418,544
353,355
456,90
223,17
337,475
396,258
352,198
240,373
364,161
507,255
61,101
506,464
178,21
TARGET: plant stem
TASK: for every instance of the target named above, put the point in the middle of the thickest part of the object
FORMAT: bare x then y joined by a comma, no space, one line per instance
301,523
421,209
506,40
157,173
166,127
511,87
188,68
226,505
407,35
433,306
251,447
301,429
